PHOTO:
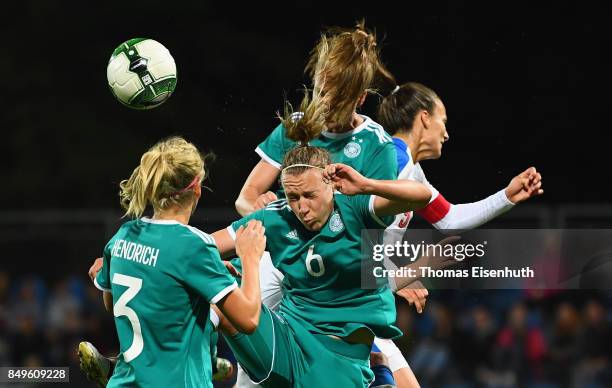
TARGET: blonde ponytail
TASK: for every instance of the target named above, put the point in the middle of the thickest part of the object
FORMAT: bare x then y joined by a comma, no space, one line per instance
165,170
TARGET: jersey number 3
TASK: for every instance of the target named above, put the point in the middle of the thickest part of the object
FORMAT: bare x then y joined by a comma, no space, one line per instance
121,309
318,259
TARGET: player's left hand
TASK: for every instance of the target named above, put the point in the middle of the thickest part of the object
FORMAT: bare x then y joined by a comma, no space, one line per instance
415,293
95,268
345,179
524,186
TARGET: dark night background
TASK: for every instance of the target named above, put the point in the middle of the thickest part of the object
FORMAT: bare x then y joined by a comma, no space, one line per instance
524,83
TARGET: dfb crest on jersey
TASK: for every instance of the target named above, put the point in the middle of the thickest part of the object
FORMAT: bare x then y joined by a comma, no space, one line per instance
352,150
335,223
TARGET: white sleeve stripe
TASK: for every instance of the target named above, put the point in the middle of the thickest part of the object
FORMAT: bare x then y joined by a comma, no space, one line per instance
373,214
268,159
223,292
232,233
214,318
203,236
99,287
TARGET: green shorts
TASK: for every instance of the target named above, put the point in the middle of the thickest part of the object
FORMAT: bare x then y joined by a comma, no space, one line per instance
282,353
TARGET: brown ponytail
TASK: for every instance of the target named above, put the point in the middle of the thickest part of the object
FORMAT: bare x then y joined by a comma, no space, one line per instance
344,64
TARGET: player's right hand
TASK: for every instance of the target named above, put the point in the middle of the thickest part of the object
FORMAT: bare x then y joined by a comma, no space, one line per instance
345,179
95,268
264,199
251,241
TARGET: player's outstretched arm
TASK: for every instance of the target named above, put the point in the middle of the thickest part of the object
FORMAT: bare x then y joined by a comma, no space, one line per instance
392,196
458,217
254,194
243,305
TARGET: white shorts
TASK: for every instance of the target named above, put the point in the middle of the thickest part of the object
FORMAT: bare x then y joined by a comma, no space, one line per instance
270,280
392,352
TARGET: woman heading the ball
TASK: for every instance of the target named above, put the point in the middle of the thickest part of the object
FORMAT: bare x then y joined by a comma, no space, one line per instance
344,66
324,327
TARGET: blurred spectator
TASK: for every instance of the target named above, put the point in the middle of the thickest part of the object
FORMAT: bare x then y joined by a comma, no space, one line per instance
4,346
63,308
564,344
595,351
475,343
520,349
27,303
430,358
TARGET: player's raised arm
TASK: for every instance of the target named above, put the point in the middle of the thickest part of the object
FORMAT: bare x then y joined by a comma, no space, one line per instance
243,306
254,194
392,196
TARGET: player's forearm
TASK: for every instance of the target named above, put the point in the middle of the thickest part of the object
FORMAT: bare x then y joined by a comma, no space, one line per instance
467,216
245,203
399,190
397,196
404,281
251,288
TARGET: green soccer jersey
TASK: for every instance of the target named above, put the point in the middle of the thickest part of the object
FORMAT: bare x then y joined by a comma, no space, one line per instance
322,285
367,148
163,276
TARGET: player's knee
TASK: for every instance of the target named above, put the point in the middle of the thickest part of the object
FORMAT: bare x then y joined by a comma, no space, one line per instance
383,377
378,358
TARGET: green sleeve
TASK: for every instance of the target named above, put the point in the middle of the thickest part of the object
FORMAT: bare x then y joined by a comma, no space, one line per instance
382,163
257,215
273,149
364,206
102,279
205,274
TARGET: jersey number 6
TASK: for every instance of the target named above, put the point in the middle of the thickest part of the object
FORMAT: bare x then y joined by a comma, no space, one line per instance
121,309
314,257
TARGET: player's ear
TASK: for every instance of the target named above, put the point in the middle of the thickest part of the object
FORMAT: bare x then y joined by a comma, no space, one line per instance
362,99
425,118
197,191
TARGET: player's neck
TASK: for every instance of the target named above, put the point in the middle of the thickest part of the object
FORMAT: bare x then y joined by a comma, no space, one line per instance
412,142
174,214
356,121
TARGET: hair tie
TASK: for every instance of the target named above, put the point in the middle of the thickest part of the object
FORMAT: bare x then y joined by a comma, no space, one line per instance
301,165
193,183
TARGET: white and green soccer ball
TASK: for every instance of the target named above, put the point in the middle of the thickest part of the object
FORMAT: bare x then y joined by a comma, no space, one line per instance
141,73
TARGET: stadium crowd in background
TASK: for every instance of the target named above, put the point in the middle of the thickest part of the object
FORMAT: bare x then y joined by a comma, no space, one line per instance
502,338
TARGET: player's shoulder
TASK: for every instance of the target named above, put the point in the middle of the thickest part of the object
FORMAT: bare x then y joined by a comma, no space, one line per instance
278,208
277,214
375,133
127,228
276,205
350,202
198,237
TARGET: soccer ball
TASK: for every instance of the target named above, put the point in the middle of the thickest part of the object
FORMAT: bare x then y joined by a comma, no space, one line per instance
141,73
